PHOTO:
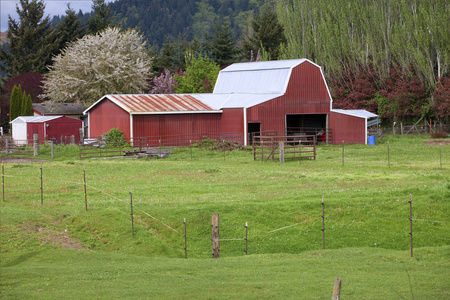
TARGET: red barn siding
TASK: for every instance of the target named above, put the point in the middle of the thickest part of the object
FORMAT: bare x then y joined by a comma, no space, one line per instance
233,120
107,115
307,91
175,124
64,126
33,128
350,129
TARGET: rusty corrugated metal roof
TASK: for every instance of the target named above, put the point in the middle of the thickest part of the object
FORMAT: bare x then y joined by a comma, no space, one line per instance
148,103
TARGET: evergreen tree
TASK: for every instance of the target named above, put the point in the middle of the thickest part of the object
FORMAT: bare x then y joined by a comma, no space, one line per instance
69,29
32,41
27,105
15,108
266,34
101,19
223,46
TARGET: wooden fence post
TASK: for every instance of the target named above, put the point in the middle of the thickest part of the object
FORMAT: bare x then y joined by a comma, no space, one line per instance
389,155
246,238
410,223
323,223
342,152
337,289
215,235
42,188
35,144
185,239
52,149
3,183
84,182
281,146
131,205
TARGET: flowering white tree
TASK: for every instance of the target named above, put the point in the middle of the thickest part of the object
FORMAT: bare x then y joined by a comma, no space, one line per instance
110,62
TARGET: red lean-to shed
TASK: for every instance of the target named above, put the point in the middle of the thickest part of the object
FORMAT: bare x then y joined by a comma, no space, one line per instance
47,127
286,97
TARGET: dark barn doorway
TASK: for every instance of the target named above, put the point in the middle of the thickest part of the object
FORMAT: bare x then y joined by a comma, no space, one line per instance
309,124
253,128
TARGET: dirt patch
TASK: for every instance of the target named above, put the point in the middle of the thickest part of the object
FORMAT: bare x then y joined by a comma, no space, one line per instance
19,160
59,238
438,142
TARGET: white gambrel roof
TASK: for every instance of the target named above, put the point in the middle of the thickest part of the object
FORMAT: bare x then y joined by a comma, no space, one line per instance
266,77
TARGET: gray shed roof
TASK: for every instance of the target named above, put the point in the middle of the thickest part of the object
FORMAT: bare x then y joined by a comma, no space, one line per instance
59,109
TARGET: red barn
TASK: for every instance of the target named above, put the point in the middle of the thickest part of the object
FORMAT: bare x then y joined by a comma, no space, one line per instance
287,97
47,127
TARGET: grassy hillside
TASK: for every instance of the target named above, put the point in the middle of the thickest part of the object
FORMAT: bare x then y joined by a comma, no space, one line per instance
367,223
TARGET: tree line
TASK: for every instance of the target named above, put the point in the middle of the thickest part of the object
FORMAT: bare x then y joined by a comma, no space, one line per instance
391,57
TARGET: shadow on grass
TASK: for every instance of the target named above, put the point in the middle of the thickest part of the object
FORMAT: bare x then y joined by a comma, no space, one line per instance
21,259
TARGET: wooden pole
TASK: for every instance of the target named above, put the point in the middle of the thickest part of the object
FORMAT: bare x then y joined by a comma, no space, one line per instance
389,156
323,223
342,152
185,239
52,149
246,238
84,182
3,182
215,235
410,223
281,146
42,188
430,128
35,144
131,205
337,289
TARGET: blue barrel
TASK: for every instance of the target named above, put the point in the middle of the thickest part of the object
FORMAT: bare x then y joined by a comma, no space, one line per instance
371,140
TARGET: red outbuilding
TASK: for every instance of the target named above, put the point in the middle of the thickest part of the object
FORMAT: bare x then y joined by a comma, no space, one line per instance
47,127
285,97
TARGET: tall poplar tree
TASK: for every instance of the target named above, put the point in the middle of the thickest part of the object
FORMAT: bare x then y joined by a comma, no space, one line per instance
15,108
27,105
32,41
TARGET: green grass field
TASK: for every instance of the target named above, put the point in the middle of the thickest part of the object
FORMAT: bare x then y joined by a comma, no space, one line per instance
60,250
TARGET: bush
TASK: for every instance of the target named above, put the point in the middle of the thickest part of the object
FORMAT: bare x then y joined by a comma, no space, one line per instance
115,138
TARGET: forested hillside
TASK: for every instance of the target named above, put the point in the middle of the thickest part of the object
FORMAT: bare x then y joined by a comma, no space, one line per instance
163,21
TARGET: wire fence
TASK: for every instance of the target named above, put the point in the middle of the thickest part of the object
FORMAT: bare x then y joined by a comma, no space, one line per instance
339,227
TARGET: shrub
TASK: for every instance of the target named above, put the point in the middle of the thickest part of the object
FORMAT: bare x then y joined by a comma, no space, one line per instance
115,138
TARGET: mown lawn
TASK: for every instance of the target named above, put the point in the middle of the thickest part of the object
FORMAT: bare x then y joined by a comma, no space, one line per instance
92,254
